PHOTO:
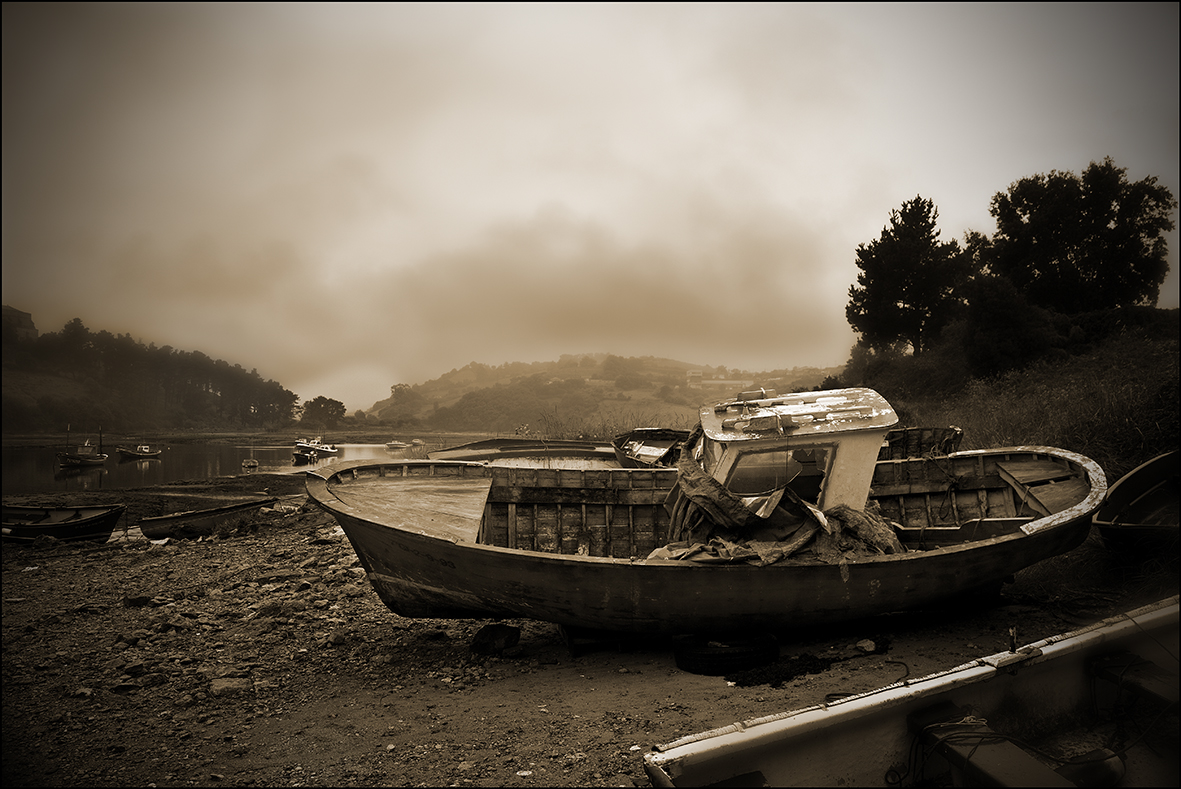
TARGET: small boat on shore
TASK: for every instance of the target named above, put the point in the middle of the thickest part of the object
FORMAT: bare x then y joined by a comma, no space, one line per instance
141,452
68,524
395,444
1111,684
199,523
646,447
528,451
1141,511
767,526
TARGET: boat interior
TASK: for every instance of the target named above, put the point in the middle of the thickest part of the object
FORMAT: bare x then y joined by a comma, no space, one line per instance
620,513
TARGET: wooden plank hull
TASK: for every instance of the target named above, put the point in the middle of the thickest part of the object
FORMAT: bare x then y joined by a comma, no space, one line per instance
1140,512
1038,692
25,524
569,546
198,523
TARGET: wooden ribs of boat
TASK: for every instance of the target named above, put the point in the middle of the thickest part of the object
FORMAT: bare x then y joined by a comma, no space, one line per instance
68,524
916,442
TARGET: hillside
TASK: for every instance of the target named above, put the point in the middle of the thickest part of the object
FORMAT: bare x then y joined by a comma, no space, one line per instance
592,395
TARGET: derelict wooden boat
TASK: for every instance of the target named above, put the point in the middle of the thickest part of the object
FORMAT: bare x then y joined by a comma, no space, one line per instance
644,447
1065,693
25,524
199,523
528,451
913,442
141,452
572,546
1140,512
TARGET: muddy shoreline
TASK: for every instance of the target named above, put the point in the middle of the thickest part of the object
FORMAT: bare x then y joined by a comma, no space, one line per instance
263,657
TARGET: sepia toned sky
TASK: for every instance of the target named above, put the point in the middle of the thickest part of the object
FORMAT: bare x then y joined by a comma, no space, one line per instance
346,197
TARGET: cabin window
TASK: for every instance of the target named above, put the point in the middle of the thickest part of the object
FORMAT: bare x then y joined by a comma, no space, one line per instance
759,473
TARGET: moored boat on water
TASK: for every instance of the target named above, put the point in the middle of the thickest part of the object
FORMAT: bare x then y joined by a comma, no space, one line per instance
199,523
85,455
141,452
316,445
1141,511
1113,683
25,524
764,525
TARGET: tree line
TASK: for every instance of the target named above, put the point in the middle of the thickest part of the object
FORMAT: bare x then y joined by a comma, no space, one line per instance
1074,258
118,383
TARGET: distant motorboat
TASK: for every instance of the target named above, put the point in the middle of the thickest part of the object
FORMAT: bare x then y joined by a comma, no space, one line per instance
141,452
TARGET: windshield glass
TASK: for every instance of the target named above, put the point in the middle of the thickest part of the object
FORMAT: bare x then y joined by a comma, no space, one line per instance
757,473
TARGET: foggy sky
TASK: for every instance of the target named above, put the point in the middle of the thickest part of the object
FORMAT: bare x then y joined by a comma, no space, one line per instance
349,197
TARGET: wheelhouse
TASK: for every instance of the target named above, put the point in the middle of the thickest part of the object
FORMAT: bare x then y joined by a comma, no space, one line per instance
823,445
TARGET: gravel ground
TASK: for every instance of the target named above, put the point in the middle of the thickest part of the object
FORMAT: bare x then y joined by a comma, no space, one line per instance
262,657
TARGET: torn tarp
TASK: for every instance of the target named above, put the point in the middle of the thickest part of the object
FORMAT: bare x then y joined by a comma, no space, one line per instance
711,524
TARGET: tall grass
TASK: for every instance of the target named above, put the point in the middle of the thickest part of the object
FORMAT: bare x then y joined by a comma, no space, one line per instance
1117,405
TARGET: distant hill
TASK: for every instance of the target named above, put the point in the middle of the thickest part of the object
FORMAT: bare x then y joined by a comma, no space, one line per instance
586,394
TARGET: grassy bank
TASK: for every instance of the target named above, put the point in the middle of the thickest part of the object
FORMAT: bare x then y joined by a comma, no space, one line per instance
1117,405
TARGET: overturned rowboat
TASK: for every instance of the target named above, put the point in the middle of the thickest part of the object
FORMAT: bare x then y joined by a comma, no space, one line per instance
615,549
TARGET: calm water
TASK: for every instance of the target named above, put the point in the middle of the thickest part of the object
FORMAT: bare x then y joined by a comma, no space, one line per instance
35,469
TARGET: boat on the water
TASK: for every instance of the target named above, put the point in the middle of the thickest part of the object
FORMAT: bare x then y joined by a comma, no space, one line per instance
141,452
308,445
531,452
199,523
646,447
1098,703
85,455
396,444
766,525
25,524
1141,511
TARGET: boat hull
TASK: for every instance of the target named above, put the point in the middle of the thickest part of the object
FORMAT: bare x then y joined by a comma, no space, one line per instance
1038,692
581,538
1140,513
68,524
198,523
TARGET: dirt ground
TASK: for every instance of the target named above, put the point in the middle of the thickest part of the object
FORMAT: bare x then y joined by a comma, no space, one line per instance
263,658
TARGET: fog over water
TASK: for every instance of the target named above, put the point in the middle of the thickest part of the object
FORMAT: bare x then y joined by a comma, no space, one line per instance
346,197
